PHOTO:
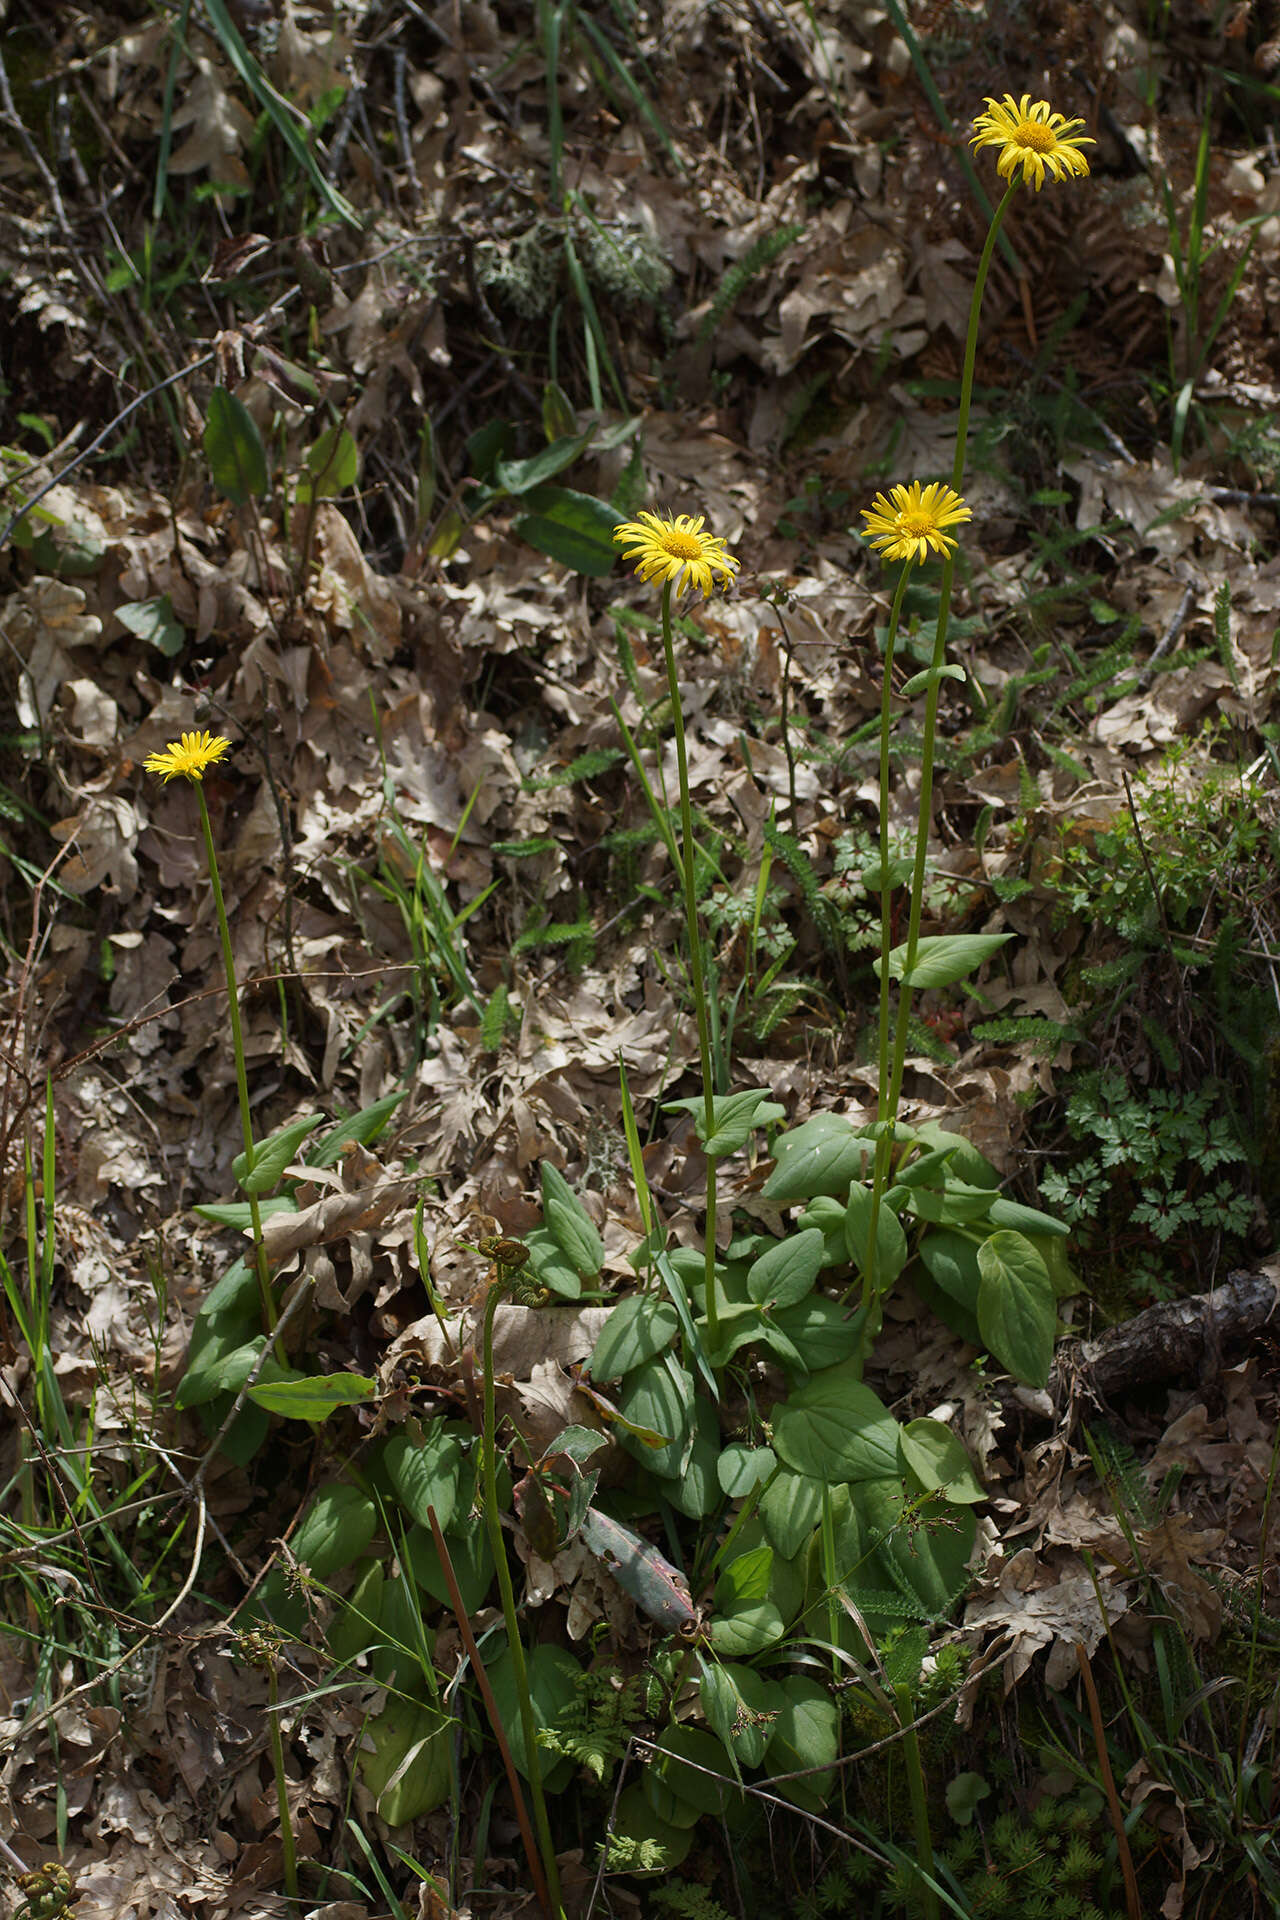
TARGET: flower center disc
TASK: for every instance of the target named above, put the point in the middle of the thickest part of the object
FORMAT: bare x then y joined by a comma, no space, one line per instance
917,524
1034,134
682,546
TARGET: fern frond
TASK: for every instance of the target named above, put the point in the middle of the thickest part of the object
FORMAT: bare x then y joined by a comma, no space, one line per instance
740,275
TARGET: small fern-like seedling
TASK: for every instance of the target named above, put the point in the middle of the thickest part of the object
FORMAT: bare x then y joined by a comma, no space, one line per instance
740,275
690,1901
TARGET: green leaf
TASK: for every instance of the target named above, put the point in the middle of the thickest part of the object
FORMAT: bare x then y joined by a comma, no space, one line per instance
272,1155
659,1396
741,1706
741,1628
574,528
953,1205
696,1489
824,1155
638,1329
1017,1312
1008,1213
559,421
925,1554
314,1397
835,1428
223,1364
741,1468
951,1260
363,1127
518,476
335,1529
355,1624
233,448
938,1459
638,1829
821,1331
891,1241
787,1272
569,1223
734,1118
470,1555
965,1161
668,1272
790,1510
931,677
333,463
550,1266
405,1759
553,1686
702,1786
828,1217
226,1321
425,1473
805,1734
155,622
239,1214
943,958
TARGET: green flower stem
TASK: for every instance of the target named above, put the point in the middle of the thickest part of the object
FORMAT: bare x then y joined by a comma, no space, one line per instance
919,1800
288,1850
884,1142
519,1668
237,1044
695,962
925,815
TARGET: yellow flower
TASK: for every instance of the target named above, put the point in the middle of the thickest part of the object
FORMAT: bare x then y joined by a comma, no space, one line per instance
1031,137
671,549
188,756
909,524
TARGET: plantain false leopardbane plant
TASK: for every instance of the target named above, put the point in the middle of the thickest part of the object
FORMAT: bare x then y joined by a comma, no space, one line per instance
731,1377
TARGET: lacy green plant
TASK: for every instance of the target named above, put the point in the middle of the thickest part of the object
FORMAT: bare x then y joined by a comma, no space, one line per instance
1157,1165
1152,1201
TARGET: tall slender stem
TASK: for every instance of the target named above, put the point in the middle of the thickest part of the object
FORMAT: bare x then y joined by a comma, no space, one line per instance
696,975
925,816
884,1111
237,1045
519,1668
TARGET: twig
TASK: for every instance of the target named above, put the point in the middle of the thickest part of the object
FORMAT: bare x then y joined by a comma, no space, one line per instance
495,1717
1171,633
1114,1808
399,68
138,400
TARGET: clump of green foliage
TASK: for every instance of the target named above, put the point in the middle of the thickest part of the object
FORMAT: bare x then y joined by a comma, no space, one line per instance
1155,1174
1046,1867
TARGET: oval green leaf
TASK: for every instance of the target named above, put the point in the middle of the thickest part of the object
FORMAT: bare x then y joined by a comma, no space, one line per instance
836,1428
943,958
821,1156
1017,1310
787,1272
233,448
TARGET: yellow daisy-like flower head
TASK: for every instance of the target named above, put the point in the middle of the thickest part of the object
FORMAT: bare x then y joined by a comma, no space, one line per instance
910,523
1032,137
188,756
677,550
